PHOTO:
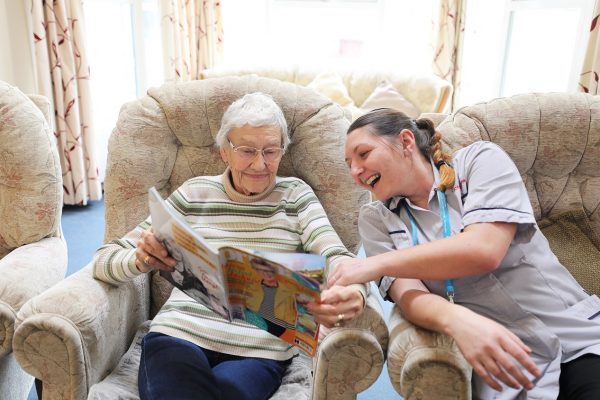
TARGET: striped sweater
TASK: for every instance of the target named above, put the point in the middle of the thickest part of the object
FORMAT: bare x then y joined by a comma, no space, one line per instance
287,217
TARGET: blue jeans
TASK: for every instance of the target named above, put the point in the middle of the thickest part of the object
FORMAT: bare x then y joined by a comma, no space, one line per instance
172,368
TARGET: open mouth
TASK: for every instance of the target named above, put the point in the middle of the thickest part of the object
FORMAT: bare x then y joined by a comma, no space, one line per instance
373,179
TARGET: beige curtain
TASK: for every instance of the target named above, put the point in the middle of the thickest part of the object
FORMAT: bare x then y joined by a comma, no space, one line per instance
62,75
449,33
588,80
192,33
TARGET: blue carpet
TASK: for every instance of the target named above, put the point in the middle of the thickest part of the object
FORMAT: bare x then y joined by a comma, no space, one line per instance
83,228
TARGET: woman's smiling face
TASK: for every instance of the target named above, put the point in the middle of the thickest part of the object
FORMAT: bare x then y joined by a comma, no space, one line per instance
376,163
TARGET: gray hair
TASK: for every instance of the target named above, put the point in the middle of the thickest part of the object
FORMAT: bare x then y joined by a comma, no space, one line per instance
255,109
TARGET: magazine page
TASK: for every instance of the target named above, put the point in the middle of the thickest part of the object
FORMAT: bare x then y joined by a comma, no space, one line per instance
198,272
271,296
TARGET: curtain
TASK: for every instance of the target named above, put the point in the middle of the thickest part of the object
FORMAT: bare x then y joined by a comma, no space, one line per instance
192,32
449,33
588,80
62,75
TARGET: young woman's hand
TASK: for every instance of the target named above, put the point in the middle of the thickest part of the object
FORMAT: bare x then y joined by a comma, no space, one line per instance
352,270
495,353
339,304
151,254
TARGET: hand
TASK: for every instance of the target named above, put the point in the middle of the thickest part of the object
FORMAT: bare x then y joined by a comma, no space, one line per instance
352,270
338,304
151,254
492,350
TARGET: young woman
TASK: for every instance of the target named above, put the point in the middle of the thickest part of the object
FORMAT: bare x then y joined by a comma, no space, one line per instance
454,242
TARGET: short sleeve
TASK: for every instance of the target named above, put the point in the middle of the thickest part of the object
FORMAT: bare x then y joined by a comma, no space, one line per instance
495,190
376,240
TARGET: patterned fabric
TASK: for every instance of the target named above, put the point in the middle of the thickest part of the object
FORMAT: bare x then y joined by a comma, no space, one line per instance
192,33
33,255
450,28
62,73
590,72
290,212
554,140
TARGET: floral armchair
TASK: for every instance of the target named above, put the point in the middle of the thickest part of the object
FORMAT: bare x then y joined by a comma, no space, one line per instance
554,139
33,254
75,337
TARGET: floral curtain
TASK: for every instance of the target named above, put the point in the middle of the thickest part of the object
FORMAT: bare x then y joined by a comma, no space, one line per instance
588,80
449,33
62,75
192,33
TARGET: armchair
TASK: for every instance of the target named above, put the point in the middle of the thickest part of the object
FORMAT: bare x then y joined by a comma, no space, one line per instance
554,139
82,327
33,254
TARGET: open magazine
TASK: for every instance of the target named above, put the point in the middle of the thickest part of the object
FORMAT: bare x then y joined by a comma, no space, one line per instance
268,290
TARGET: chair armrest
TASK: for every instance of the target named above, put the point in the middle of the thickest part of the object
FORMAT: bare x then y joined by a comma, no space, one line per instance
350,359
425,364
73,334
26,272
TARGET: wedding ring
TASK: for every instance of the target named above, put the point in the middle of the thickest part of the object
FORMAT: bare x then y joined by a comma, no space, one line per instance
147,259
337,324
340,318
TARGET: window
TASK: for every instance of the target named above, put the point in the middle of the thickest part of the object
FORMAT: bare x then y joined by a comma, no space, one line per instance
384,34
537,46
124,49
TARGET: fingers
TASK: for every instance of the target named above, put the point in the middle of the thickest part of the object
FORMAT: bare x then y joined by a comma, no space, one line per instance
151,254
338,305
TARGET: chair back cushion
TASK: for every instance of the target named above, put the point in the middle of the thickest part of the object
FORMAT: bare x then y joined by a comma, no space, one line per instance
30,173
168,137
554,139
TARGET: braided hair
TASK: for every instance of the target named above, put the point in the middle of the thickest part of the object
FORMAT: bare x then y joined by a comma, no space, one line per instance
387,123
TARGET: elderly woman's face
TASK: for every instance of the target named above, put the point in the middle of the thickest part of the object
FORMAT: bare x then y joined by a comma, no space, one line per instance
253,171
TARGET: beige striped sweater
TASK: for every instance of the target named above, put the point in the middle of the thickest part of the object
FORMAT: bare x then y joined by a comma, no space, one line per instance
287,217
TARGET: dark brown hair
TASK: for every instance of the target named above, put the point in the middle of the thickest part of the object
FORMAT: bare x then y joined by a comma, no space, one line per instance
388,123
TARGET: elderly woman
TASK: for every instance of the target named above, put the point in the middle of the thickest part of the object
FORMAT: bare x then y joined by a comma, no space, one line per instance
191,352
461,226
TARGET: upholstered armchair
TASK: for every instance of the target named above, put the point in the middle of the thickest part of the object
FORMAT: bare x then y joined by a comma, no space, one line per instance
33,254
554,139
74,337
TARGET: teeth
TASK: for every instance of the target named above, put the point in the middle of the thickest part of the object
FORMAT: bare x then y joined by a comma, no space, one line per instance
372,179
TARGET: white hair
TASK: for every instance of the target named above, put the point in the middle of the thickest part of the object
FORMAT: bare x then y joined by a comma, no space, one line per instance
255,109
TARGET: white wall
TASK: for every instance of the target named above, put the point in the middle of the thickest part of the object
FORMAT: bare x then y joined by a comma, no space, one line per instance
16,61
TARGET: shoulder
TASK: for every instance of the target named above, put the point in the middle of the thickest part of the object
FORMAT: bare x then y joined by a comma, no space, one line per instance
375,210
477,149
292,187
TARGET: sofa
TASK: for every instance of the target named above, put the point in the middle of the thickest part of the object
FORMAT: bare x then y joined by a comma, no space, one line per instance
554,139
81,337
358,91
33,253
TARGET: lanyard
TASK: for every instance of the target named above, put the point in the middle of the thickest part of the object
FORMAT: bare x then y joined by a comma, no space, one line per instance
446,230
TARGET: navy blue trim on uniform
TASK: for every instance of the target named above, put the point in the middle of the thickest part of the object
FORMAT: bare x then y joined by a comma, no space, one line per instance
594,316
394,232
497,208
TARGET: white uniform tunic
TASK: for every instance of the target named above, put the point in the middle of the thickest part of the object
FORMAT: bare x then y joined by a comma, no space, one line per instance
530,293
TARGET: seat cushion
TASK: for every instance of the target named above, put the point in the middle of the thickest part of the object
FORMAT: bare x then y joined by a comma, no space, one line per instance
122,383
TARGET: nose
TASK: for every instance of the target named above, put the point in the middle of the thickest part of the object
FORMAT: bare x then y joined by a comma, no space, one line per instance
259,162
355,171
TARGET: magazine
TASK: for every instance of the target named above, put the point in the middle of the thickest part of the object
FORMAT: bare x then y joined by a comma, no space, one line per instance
268,290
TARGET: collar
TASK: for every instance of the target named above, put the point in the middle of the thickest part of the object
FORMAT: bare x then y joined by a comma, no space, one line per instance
239,197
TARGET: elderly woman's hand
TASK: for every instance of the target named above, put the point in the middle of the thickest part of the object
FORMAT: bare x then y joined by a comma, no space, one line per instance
151,254
339,304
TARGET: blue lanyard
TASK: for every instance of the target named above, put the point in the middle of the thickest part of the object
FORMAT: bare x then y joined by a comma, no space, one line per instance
446,230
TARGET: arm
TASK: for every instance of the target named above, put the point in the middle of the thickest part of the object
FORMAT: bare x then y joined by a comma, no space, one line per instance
479,249
485,344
